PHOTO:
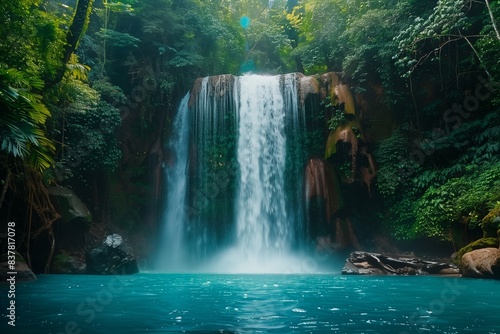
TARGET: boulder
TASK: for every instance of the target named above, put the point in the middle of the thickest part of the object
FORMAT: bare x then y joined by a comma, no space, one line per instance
112,257
365,263
478,244
69,206
23,272
68,263
75,219
482,263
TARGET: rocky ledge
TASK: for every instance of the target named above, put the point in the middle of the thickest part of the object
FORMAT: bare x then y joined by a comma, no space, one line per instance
365,263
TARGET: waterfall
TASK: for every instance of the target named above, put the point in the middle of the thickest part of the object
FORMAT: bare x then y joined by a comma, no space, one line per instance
237,206
172,249
211,192
261,216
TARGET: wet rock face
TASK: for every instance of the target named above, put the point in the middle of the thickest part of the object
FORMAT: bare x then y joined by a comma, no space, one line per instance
69,206
482,263
365,263
75,219
113,257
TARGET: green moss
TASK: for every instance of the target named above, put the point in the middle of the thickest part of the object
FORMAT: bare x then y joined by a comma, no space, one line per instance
478,244
491,222
60,261
65,263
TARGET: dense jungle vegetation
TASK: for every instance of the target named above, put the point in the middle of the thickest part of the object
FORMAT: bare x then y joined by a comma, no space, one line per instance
88,90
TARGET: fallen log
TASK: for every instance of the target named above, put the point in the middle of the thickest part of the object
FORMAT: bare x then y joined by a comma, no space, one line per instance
366,263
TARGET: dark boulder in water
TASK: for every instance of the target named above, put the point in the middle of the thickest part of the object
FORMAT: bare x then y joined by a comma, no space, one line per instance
113,257
365,263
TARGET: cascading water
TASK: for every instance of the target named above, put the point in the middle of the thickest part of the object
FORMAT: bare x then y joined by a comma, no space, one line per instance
261,215
240,208
172,247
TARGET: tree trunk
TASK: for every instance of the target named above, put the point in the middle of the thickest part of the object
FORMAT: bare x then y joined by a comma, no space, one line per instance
75,32
492,19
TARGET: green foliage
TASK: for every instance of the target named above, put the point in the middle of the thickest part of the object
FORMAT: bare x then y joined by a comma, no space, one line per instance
22,120
391,155
91,141
190,35
489,45
109,92
320,30
30,38
428,37
338,115
355,40
458,201
86,124
439,202
71,96
118,39
268,44
469,145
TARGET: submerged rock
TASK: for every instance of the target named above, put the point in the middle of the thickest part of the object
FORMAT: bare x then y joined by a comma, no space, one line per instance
482,263
365,263
23,272
113,257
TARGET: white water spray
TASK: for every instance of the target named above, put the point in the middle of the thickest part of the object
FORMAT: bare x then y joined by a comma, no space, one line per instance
260,206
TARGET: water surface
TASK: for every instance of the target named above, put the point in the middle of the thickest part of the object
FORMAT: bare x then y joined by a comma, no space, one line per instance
212,303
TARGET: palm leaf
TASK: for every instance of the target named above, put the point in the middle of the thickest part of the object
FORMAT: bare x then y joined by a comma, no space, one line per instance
23,119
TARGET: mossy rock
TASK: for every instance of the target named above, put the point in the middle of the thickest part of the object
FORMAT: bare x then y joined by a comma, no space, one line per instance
65,263
491,223
478,244
69,206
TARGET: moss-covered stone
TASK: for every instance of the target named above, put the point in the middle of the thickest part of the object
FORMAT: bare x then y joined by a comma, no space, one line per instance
491,223
65,263
478,244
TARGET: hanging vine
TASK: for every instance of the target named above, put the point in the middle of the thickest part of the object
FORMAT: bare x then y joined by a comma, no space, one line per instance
39,201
